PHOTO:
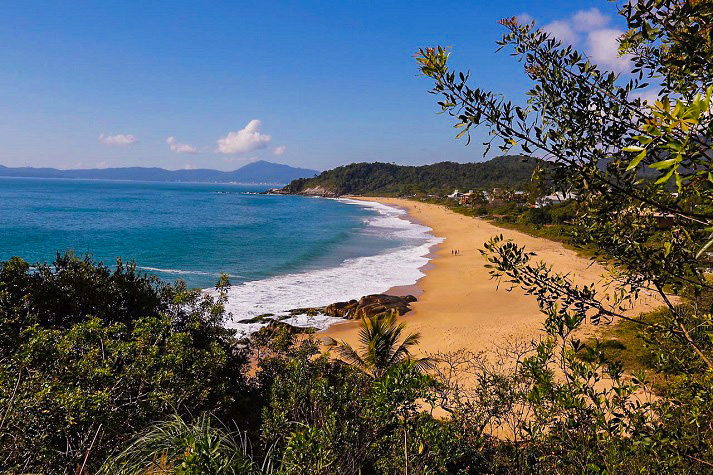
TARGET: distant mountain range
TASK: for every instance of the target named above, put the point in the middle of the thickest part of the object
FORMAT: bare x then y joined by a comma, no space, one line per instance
256,172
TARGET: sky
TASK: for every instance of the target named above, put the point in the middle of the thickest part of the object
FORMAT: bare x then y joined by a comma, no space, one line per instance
220,84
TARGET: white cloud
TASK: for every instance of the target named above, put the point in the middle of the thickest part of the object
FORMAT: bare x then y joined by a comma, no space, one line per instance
648,95
524,18
188,166
180,147
118,140
244,140
603,46
562,30
279,150
588,20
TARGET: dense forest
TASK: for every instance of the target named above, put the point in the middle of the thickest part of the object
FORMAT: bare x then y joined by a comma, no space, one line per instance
386,178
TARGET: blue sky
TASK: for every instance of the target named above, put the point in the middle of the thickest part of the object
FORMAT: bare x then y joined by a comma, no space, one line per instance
218,84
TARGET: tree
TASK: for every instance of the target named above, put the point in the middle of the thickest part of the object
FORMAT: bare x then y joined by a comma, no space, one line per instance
383,358
380,348
92,356
633,164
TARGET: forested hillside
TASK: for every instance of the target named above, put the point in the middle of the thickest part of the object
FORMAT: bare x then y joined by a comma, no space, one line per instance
387,178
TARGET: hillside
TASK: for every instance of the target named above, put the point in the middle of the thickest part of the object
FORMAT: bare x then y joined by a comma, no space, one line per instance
387,179
256,172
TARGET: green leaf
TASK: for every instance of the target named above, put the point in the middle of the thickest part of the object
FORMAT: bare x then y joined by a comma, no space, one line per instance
665,178
636,160
633,148
704,248
663,164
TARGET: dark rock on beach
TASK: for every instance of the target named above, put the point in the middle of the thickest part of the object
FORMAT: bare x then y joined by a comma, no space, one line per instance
275,325
369,306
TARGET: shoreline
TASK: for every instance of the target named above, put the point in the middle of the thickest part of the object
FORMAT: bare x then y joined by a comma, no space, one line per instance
409,289
395,268
459,307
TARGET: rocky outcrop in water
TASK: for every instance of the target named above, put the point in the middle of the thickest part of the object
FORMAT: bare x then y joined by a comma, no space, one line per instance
305,191
369,306
313,191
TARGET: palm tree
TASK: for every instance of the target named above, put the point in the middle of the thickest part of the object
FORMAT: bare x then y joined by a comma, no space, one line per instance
380,349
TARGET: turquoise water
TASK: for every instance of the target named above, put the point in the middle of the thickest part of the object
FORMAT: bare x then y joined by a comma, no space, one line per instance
280,252
189,231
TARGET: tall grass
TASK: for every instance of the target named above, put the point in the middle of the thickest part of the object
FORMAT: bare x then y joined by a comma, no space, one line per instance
187,448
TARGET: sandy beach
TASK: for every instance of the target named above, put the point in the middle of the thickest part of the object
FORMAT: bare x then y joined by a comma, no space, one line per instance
459,306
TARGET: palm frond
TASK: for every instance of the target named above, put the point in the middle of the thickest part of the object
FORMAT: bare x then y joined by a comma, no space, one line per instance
424,364
346,353
379,337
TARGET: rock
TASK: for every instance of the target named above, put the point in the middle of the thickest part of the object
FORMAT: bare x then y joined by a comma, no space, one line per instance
259,319
369,306
340,309
319,191
275,325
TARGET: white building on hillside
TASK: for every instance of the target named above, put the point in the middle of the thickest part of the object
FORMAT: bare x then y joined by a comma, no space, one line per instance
554,198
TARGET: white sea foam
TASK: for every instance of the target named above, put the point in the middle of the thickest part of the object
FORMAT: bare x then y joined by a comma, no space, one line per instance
182,272
352,279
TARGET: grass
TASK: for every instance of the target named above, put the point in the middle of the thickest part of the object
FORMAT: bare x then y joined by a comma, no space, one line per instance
622,342
176,446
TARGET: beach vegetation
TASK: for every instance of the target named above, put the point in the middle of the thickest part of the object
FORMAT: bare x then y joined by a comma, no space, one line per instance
642,171
176,446
381,346
91,355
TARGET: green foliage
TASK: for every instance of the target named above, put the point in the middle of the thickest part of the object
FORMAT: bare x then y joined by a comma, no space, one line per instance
111,365
671,41
623,157
385,178
177,447
64,293
382,349
96,355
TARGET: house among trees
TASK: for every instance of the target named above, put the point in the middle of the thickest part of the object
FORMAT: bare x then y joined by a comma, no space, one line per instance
554,198
455,195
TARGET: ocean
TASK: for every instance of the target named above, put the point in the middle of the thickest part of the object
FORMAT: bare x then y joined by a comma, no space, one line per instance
280,252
